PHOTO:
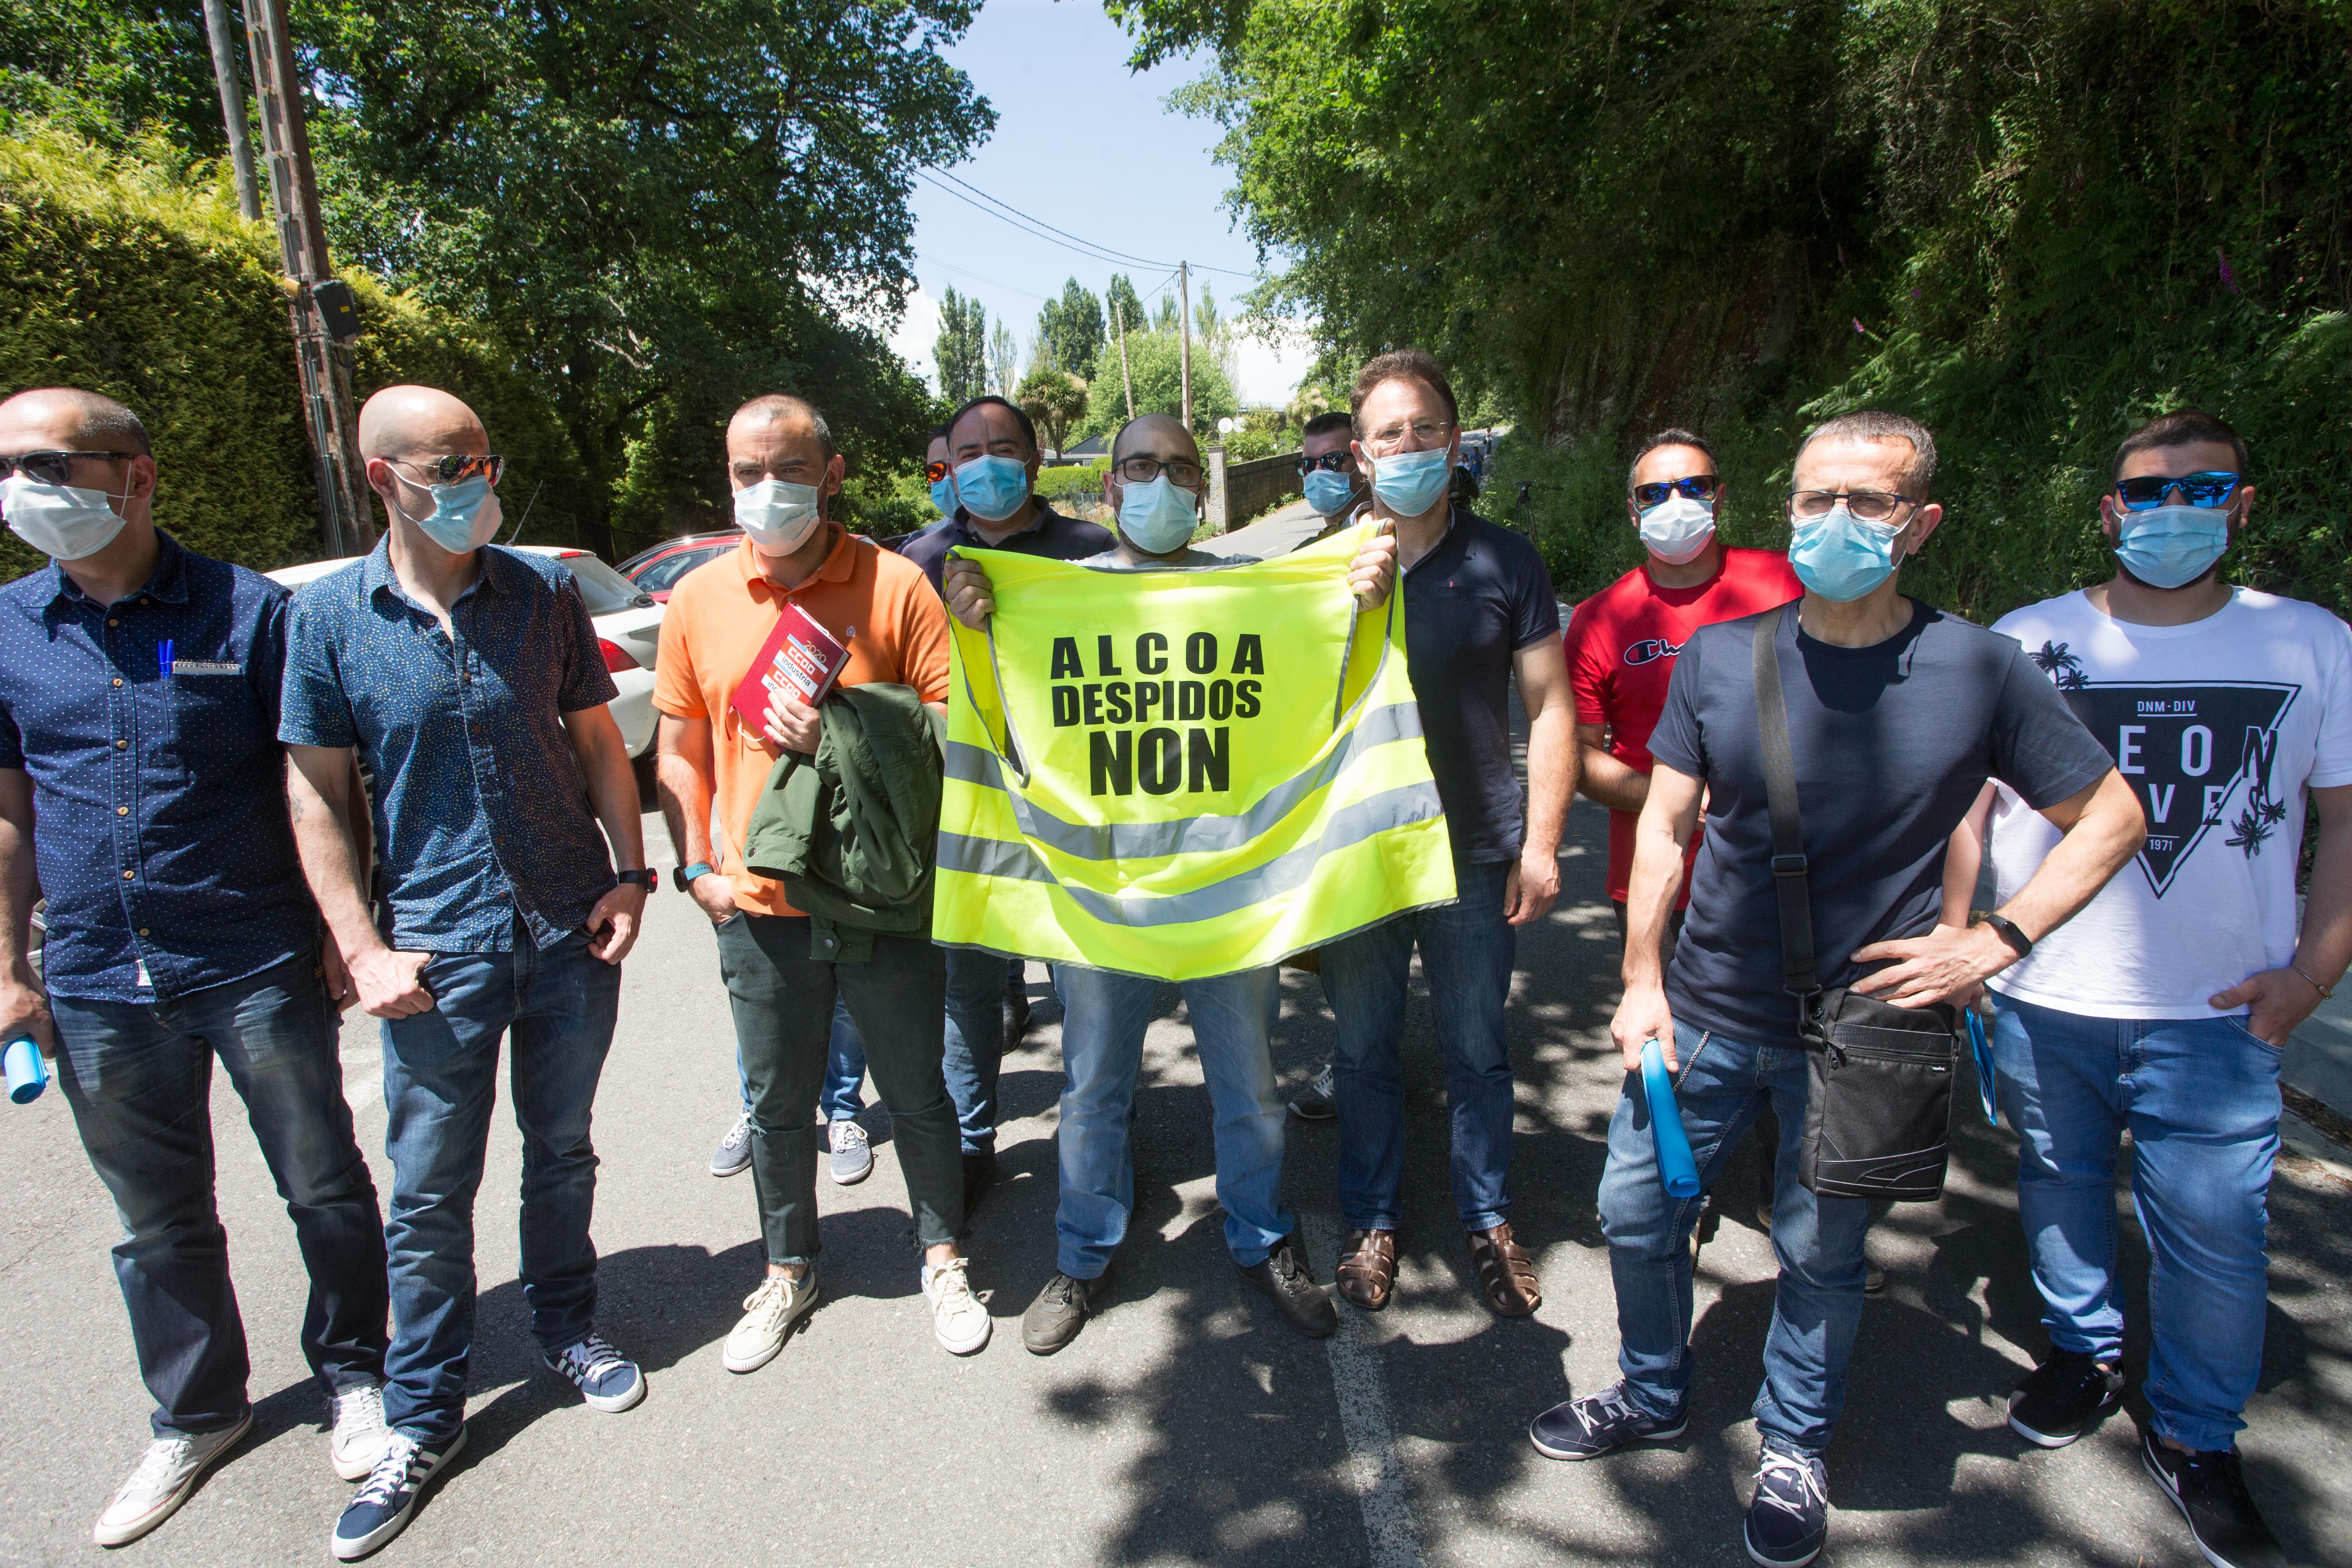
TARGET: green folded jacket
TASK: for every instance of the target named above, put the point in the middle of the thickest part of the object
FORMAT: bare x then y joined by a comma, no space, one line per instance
852,832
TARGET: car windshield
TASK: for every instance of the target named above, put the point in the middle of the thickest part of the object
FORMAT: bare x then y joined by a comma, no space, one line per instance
665,572
606,591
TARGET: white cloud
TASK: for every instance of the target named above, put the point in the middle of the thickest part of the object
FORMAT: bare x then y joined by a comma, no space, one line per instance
917,330
1270,367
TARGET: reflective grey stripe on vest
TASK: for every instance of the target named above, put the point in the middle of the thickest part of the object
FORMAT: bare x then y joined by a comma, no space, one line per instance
1143,840
1351,824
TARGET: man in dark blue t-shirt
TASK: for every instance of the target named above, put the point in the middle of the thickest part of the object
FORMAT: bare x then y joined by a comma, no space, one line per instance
1479,608
1898,714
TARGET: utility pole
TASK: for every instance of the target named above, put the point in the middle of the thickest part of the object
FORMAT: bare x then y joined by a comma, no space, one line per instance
319,305
232,97
1126,376
1184,335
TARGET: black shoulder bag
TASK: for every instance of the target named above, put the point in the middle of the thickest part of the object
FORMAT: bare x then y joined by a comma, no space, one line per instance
1878,1105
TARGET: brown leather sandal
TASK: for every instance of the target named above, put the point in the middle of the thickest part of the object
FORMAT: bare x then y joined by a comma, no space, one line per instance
1368,1267
1505,1272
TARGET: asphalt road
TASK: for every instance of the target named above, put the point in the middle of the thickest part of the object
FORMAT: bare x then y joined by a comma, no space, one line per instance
1187,1424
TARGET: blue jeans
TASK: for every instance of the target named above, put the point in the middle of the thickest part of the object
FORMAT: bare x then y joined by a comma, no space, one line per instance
440,1086
1467,948
139,1077
2201,1098
1817,1306
977,983
1103,1020
844,1070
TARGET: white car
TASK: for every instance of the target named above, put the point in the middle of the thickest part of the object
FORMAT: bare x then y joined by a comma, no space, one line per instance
628,630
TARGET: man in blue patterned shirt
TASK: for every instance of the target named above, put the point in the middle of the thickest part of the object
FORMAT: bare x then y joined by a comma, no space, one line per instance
138,735
468,679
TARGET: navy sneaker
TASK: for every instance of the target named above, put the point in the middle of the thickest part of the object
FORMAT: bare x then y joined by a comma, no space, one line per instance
1588,1427
2209,1490
1789,1518
605,1378
380,1509
2062,1398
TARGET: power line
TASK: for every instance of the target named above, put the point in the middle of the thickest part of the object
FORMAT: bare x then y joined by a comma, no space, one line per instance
951,267
1083,246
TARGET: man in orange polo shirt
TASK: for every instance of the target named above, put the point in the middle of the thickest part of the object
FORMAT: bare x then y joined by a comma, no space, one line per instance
782,463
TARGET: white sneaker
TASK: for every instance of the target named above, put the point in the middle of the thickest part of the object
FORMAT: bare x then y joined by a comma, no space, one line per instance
357,1439
165,1476
770,1315
957,1319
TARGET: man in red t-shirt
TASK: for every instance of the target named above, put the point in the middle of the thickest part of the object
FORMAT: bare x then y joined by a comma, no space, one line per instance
1622,642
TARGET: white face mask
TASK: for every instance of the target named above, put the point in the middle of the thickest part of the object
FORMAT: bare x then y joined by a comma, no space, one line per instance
65,522
778,514
1678,528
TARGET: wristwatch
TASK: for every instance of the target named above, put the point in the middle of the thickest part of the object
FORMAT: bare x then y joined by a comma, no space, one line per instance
2009,933
686,874
649,880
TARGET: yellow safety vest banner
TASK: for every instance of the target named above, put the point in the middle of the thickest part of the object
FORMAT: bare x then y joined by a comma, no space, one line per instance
1181,774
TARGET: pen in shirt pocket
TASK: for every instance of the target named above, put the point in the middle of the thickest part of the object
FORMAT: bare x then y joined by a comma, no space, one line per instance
163,658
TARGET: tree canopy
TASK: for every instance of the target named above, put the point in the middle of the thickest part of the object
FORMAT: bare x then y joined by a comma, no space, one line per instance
960,351
1070,332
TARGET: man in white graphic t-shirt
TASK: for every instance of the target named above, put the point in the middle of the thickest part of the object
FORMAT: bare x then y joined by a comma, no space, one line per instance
2161,1007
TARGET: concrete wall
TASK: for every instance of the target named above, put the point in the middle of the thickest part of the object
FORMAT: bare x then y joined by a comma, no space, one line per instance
1239,491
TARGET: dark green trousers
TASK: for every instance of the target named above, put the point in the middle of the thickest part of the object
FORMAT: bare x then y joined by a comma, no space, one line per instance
783,1001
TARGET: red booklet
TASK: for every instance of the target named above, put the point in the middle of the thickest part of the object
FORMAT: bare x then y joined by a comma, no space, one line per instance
800,656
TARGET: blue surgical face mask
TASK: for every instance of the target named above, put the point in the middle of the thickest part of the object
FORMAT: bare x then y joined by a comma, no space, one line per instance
1157,517
464,515
1677,529
992,487
1410,483
1841,557
778,514
1329,492
943,499
2171,546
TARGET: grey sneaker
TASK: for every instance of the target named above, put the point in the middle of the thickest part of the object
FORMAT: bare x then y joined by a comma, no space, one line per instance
1319,1101
852,1160
734,1155
1060,1311
357,1439
164,1479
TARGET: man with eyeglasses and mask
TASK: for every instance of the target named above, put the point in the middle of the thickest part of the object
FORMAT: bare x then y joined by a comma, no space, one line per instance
2163,1006
139,765
1329,474
1156,486
1479,613
468,679
1896,716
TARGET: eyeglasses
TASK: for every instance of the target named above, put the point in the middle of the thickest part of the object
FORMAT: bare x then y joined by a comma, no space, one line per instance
1871,506
1339,462
49,467
2145,490
1697,487
455,465
1182,471
1428,432
934,472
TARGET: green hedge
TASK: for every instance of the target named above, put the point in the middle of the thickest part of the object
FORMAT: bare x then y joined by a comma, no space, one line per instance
1053,484
121,277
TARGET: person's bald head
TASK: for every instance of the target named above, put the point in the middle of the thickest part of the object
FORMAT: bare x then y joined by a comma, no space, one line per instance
1161,435
419,421
120,463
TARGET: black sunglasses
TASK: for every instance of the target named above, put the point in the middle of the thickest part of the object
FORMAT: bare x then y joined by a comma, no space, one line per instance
2141,493
1698,487
49,467
1338,462
455,465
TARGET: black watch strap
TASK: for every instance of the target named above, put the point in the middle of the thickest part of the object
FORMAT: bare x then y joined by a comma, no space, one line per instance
649,880
2011,934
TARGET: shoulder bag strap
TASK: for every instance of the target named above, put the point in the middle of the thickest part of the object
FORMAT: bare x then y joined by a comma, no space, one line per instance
1789,865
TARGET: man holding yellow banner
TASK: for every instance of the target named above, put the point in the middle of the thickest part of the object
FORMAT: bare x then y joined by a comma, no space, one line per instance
1184,775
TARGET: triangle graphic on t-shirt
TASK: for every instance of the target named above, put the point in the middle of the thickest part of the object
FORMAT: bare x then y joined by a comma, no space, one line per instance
2186,747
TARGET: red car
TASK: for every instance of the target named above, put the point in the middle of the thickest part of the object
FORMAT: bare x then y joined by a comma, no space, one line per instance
657,570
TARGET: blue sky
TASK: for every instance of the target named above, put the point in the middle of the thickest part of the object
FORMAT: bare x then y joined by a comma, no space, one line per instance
1088,148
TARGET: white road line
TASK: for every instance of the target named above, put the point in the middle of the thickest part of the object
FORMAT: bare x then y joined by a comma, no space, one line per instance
1375,1474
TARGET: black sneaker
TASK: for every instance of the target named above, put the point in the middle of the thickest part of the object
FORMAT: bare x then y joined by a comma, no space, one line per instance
1588,1427
2062,1398
1060,1311
1319,1100
1284,1277
381,1508
1789,1518
2209,1490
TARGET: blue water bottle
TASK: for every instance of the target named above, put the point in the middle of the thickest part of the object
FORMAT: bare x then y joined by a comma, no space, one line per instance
27,1073
1675,1166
